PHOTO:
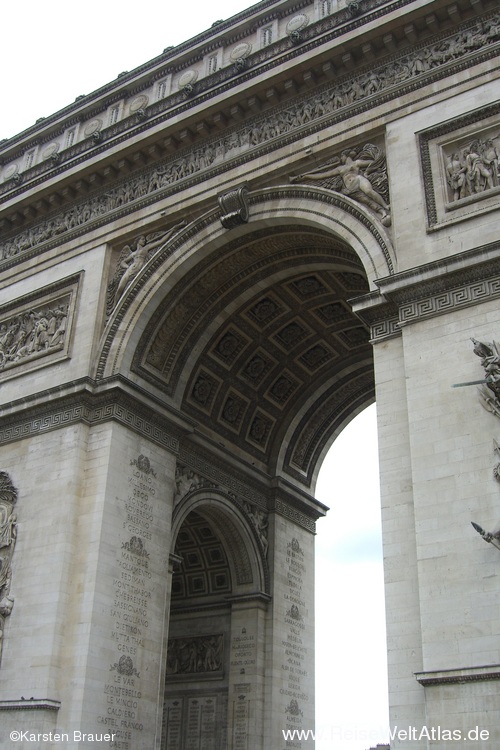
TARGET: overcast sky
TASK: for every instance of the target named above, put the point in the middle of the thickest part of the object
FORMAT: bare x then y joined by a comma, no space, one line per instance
53,52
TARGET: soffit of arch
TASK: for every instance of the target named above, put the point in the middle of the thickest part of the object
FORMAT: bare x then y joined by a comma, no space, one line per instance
293,120
345,233
244,342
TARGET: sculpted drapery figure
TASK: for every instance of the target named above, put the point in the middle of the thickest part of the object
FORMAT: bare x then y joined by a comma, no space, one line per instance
361,174
132,260
474,168
8,534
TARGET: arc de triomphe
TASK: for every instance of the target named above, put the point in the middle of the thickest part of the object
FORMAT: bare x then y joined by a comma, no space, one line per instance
209,267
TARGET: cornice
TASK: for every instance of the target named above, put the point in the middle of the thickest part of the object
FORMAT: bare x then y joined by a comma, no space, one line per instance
176,59
119,400
30,704
261,63
435,288
85,401
79,218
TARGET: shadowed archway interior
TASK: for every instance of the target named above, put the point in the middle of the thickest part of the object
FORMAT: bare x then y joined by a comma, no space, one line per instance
260,347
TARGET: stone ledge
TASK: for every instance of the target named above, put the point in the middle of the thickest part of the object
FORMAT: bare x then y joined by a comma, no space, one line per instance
23,704
459,676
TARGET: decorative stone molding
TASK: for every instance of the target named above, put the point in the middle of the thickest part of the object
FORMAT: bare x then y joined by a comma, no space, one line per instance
31,704
53,410
35,330
8,535
287,511
436,288
295,121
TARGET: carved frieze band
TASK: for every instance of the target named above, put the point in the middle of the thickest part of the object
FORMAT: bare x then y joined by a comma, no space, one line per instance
463,296
287,511
259,62
384,329
80,408
476,41
35,330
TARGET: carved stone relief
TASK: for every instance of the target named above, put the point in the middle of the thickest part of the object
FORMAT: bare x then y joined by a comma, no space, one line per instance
473,167
461,165
260,521
36,327
346,92
489,393
359,173
133,258
186,481
8,534
198,655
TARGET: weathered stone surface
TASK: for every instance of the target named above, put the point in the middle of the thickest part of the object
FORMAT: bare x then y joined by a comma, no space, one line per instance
174,368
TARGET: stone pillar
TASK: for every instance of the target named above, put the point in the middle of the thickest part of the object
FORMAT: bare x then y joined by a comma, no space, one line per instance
404,640
121,589
290,637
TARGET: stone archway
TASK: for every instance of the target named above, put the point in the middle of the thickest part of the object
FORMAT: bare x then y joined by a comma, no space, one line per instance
249,337
219,598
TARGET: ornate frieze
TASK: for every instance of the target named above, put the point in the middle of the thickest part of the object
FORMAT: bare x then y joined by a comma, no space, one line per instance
8,535
305,114
51,412
36,330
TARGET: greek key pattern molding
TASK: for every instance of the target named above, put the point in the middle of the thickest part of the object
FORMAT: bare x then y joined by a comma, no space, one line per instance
464,296
474,43
384,329
81,409
287,511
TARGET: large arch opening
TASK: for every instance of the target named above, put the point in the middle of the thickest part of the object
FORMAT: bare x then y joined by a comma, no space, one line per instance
250,337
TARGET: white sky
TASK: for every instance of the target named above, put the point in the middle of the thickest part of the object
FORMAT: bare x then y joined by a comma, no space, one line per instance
53,52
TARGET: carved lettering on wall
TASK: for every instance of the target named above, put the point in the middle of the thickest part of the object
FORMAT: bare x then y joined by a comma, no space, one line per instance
8,534
130,608
295,650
